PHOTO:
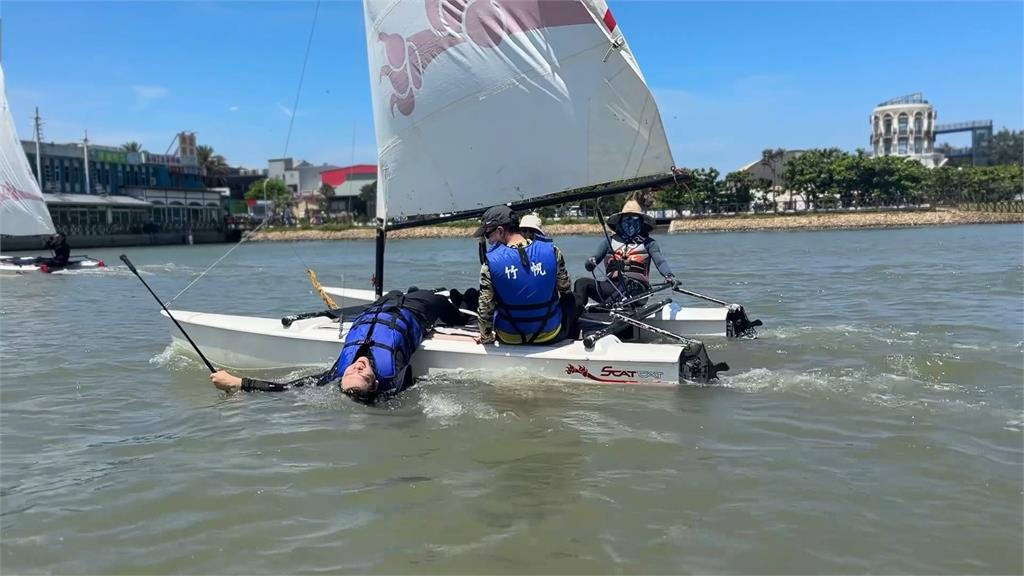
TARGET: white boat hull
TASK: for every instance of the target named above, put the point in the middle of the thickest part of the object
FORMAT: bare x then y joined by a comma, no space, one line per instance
11,265
251,343
698,322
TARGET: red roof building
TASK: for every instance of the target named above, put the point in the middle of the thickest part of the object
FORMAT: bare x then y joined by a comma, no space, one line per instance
335,178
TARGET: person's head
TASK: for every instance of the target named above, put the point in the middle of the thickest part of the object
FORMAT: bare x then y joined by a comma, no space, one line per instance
359,381
530,226
55,239
497,225
631,222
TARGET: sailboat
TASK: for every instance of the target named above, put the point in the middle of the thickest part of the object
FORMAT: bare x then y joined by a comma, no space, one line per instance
23,211
482,103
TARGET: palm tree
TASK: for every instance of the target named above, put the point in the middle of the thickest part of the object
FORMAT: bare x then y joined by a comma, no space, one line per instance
209,163
326,192
132,146
771,159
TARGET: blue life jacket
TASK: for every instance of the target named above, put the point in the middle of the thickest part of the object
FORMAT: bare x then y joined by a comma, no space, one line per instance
525,282
387,335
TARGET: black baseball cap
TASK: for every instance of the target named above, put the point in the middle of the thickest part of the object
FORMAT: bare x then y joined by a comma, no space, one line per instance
495,216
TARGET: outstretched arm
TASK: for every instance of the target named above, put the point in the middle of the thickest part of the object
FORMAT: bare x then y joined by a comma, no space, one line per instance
659,259
228,382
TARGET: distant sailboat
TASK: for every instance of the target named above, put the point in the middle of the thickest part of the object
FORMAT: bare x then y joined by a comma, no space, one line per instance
23,210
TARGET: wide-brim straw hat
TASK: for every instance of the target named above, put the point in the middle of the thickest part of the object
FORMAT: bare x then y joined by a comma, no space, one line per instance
630,207
531,221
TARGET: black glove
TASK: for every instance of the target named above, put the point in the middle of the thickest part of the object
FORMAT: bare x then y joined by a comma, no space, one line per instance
613,266
672,280
590,265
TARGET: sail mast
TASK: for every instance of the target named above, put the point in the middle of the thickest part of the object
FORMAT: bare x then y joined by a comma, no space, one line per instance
39,159
85,160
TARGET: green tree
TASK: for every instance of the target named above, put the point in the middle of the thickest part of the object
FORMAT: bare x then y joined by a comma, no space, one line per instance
368,198
325,193
132,146
210,164
738,190
1007,147
814,175
273,190
772,159
699,190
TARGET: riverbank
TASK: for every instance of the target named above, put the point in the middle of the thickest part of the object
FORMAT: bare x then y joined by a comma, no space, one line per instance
818,221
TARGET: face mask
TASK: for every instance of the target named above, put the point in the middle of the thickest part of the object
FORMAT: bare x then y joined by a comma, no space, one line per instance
630,226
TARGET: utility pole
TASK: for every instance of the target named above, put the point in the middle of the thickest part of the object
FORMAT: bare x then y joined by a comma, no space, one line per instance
39,158
85,157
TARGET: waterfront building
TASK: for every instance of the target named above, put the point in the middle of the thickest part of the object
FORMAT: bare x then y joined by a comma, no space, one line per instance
96,192
348,183
907,126
302,178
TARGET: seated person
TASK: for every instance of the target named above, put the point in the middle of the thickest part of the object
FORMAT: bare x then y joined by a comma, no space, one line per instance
527,297
530,228
627,259
61,252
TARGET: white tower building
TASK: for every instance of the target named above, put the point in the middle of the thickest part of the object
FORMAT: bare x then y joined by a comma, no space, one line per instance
905,126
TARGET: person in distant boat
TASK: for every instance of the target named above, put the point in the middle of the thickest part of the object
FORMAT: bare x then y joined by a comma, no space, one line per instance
530,228
61,251
627,259
375,358
525,292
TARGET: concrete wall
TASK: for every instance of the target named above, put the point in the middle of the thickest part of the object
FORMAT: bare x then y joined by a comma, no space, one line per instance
35,243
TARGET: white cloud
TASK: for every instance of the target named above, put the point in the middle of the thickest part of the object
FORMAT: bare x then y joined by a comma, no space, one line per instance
233,108
147,93
284,109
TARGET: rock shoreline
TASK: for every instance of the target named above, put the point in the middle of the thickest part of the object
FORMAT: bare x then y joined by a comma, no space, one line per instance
818,221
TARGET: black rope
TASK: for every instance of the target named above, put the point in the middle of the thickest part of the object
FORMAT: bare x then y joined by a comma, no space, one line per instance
302,76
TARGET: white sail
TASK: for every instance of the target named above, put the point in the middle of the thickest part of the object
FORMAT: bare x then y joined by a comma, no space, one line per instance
480,102
23,211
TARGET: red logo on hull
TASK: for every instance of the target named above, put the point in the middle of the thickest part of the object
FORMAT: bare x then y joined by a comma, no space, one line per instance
606,371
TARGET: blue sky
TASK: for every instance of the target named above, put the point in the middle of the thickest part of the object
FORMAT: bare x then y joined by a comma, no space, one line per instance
730,78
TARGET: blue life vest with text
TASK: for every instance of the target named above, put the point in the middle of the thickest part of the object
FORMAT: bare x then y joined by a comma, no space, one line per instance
525,281
387,335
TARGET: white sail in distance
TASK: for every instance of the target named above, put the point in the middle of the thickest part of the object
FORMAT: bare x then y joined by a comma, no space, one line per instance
482,102
23,211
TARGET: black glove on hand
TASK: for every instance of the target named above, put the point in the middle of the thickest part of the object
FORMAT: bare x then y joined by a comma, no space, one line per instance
590,265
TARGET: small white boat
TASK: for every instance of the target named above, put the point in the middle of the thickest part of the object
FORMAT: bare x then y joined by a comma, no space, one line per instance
251,343
30,264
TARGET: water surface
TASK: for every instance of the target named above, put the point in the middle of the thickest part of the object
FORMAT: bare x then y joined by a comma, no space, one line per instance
875,426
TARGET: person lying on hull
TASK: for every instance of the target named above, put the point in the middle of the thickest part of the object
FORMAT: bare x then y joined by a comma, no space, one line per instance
525,293
627,259
374,362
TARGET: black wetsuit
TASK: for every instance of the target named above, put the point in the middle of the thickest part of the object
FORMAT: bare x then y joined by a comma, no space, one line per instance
428,307
61,253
